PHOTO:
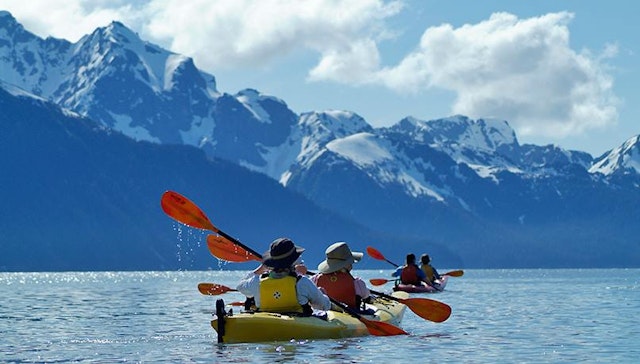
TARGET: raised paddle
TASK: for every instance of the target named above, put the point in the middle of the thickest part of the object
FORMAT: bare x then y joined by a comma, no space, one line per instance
427,309
183,210
213,289
375,254
224,249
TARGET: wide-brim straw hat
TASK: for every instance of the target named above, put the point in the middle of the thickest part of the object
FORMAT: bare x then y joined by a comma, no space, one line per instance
338,256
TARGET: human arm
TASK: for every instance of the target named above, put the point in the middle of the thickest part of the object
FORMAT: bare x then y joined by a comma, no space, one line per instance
361,288
436,274
397,272
250,284
308,293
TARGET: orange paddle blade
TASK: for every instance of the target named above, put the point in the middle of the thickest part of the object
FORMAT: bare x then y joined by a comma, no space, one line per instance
377,328
226,250
374,253
381,328
454,273
428,309
183,210
213,289
378,281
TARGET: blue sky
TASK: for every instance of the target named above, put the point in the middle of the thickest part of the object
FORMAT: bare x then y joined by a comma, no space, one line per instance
560,72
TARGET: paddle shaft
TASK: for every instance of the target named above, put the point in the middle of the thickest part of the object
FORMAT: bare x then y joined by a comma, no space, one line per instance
237,242
377,328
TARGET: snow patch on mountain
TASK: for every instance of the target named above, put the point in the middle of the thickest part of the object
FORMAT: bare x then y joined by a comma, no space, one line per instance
280,159
250,98
623,159
377,157
363,149
199,129
172,63
123,124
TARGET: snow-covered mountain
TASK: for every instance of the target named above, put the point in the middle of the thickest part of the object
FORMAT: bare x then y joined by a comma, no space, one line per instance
467,184
624,159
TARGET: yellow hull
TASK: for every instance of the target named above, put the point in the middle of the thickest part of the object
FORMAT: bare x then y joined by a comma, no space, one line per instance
248,327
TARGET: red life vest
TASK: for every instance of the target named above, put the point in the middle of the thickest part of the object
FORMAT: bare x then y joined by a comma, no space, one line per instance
340,287
409,275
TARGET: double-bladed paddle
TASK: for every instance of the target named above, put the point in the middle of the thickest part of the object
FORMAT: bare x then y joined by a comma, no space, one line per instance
183,210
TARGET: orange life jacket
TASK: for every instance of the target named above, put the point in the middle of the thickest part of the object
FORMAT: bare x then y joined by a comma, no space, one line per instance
340,287
409,275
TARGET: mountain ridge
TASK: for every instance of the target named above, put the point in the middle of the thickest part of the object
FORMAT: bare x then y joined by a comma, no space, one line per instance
467,185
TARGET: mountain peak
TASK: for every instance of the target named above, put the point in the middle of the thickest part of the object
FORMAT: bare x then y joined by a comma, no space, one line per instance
624,159
334,123
117,32
7,18
11,29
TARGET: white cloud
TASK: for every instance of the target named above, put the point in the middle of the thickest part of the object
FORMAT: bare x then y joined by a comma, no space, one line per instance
521,70
69,19
236,33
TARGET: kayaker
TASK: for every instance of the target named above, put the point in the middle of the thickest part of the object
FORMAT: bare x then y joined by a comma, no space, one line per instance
429,270
410,273
275,285
335,276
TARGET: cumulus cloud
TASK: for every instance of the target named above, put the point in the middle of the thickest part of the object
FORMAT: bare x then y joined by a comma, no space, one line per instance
69,19
521,70
223,34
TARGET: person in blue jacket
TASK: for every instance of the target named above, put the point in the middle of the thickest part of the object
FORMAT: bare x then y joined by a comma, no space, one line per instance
410,273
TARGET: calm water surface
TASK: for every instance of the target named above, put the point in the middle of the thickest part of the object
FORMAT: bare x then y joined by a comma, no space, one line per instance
499,316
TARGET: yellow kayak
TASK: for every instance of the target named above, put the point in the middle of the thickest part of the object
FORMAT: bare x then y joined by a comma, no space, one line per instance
245,327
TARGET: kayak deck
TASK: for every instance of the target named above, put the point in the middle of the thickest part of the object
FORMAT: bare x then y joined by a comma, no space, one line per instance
245,327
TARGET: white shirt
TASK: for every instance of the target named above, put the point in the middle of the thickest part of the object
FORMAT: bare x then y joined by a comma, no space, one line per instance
306,291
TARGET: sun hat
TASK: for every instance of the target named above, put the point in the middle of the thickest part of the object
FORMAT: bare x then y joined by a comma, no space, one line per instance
338,256
281,254
425,259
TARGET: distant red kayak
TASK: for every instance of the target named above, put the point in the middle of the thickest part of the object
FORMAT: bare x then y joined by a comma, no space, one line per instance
411,288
